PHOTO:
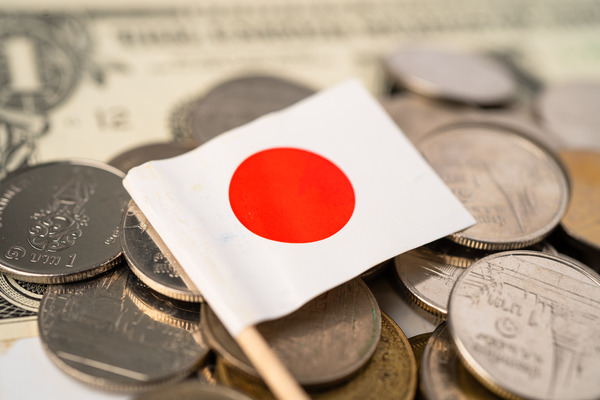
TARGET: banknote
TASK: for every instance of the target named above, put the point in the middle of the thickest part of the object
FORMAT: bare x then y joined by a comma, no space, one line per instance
94,79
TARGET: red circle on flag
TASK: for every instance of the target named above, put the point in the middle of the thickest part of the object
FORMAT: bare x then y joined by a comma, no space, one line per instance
291,195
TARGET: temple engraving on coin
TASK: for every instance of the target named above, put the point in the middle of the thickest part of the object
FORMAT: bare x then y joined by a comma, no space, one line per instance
526,323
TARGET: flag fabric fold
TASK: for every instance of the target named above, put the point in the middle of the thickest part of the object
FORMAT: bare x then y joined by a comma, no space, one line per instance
269,215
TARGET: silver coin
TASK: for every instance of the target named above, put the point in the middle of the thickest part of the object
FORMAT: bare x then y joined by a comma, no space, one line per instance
238,101
60,221
571,112
428,273
190,390
151,262
442,374
25,295
526,324
514,187
153,151
94,332
462,77
322,343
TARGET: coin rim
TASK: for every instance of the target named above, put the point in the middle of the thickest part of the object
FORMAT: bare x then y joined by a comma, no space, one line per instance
562,175
174,293
48,278
468,360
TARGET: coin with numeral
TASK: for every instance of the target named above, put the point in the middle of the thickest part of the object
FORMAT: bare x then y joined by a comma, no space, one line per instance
60,221
525,324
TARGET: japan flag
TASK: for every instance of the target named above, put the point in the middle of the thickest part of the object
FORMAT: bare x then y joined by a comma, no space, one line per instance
269,215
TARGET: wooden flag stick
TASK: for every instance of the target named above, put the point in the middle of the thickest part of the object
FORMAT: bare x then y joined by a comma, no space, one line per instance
269,366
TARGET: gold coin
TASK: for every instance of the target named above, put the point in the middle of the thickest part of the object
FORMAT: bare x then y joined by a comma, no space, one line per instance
582,219
417,343
391,373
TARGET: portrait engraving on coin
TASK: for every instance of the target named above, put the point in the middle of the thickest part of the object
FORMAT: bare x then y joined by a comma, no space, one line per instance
526,323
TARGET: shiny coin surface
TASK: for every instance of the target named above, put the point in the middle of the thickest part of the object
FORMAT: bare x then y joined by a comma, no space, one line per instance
153,151
428,273
94,332
149,258
442,374
390,374
60,221
324,342
238,101
515,188
582,219
456,76
162,308
526,324
570,111
190,390
428,279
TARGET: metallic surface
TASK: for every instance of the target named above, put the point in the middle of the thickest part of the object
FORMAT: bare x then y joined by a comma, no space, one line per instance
94,332
582,219
191,390
442,374
151,261
462,77
59,222
390,374
148,152
514,187
526,324
418,343
570,111
162,308
238,101
322,343
428,273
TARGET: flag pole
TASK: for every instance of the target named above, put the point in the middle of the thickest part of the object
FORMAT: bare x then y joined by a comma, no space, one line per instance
269,366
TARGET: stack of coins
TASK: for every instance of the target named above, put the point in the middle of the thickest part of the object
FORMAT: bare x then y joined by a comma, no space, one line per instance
117,311
519,313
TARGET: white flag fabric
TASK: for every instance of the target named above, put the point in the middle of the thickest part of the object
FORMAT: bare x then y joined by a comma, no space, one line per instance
269,215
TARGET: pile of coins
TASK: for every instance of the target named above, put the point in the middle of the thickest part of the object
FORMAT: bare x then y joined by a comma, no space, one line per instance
517,308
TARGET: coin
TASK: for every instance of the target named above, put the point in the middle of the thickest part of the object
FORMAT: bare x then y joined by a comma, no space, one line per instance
582,219
238,101
60,221
526,324
514,187
162,308
417,343
322,343
391,373
428,273
416,115
94,332
428,280
148,152
190,390
151,262
570,110
452,75
442,374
